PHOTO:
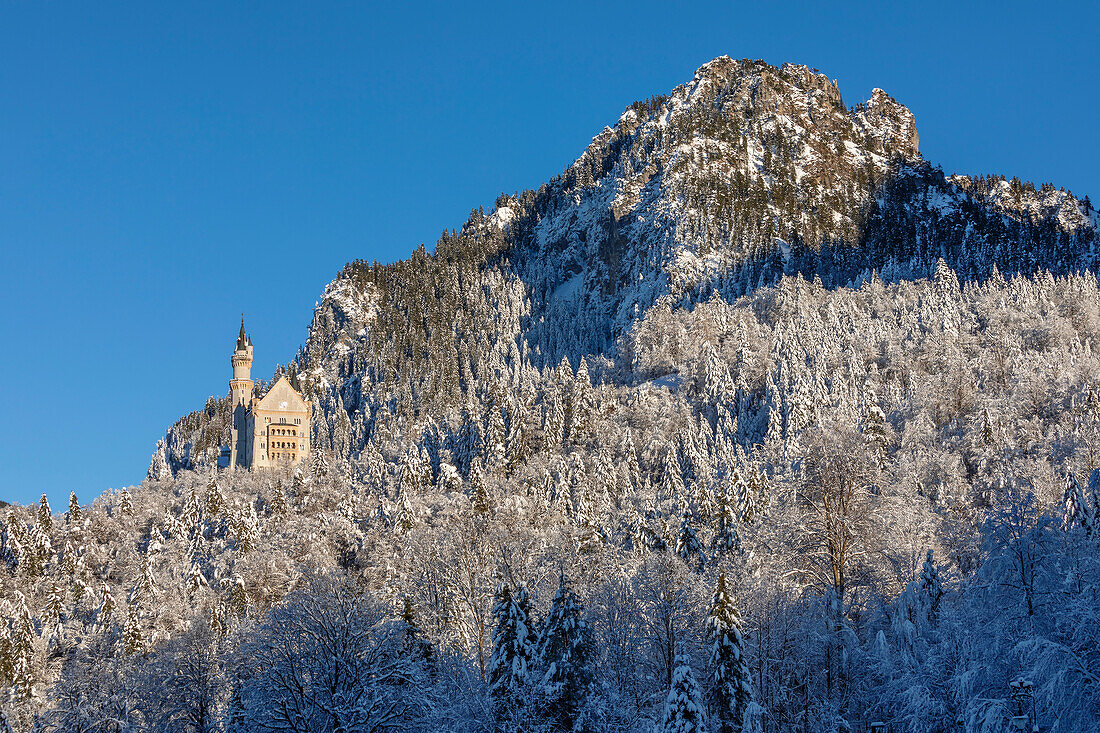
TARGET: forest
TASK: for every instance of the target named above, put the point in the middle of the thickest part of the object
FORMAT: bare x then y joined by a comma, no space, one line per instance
751,421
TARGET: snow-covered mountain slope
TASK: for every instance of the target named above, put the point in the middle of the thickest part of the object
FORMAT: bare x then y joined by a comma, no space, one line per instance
743,174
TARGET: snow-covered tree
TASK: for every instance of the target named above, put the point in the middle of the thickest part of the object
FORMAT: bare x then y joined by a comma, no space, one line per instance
565,657
683,711
1077,507
729,689
73,515
688,546
513,655
45,517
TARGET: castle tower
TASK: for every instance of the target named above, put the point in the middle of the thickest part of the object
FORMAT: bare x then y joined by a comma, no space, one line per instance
240,391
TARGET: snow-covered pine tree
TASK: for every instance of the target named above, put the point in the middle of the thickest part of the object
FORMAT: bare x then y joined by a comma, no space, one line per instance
1076,507
688,546
672,476
133,636
125,503
725,540
73,516
45,517
513,654
413,640
523,600
873,427
565,658
683,711
479,494
554,428
55,603
495,438
730,684
106,611
37,551
931,588
17,662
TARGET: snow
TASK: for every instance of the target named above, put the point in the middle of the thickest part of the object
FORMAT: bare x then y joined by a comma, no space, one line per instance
671,382
568,289
502,217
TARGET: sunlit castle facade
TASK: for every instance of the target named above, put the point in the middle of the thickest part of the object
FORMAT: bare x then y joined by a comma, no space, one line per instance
267,431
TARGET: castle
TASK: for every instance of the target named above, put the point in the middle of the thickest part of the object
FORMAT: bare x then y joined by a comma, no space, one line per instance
267,431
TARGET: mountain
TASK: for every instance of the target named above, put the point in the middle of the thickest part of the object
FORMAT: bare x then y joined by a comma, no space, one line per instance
743,175
752,419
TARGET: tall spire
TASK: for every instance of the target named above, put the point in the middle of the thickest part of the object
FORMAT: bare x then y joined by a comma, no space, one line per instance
242,337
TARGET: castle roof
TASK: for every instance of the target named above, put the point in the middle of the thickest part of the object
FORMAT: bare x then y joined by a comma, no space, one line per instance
283,397
242,338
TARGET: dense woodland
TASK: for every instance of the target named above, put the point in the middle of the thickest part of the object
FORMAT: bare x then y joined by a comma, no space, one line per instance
752,420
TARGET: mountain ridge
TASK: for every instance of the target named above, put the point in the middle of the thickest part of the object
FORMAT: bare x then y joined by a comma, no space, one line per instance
743,174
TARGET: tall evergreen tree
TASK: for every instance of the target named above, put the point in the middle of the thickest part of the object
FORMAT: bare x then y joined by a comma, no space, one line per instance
17,661
565,658
415,644
931,588
133,636
513,653
73,516
1076,507
688,546
45,516
730,684
672,476
725,540
683,711
125,503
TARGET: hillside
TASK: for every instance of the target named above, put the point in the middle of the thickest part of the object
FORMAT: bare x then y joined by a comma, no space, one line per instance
749,339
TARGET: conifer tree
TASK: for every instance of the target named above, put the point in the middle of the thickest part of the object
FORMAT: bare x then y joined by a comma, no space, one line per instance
688,546
243,522
18,656
1076,507
479,493
672,477
730,685
133,636
125,503
412,637
565,658
873,426
725,540
683,711
278,506
236,596
931,588
147,586
554,428
73,516
214,500
106,611
513,654
45,517
55,603
523,600
37,549
495,438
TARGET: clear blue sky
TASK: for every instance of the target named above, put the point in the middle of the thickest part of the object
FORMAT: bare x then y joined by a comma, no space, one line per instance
159,161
